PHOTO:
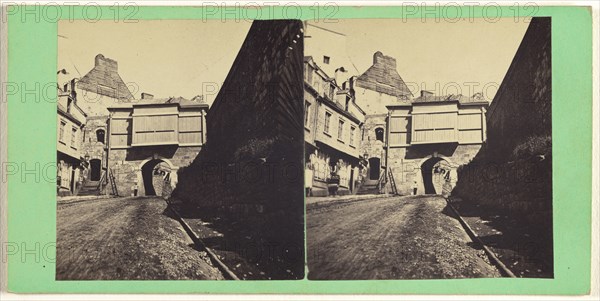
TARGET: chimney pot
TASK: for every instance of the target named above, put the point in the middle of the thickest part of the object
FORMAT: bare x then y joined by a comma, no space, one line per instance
425,93
147,95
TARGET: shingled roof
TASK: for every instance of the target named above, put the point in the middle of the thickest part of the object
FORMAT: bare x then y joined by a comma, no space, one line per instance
104,79
383,77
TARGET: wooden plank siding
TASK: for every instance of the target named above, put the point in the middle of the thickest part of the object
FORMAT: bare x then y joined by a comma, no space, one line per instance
400,130
432,123
156,125
434,127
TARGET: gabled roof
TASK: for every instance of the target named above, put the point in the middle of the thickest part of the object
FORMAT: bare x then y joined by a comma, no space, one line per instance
104,79
383,77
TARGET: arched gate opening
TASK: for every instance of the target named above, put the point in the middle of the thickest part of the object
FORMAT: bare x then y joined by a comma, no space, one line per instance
155,175
436,172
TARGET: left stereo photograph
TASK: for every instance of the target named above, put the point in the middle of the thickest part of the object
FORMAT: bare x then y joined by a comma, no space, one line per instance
180,147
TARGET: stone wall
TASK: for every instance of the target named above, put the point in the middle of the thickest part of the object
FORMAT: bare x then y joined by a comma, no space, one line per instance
513,172
522,106
407,163
251,168
127,165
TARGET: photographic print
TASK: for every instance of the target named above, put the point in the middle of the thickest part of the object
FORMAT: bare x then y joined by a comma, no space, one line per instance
428,149
179,150
323,150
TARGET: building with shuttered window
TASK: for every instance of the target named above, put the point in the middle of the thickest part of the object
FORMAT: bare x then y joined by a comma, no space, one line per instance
150,139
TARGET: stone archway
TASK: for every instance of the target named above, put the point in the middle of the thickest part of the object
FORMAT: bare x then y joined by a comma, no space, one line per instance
148,176
437,174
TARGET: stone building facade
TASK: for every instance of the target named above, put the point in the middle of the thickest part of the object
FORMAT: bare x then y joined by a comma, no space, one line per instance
428,139
150,139
98,89
71,119
332,134
376,88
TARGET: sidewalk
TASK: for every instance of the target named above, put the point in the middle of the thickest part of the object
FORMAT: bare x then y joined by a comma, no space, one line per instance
344,198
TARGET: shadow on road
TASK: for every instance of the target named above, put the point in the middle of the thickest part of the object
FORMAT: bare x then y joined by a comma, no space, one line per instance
525,250
252,246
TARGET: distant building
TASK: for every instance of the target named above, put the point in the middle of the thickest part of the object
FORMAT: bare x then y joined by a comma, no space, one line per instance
332,124
405,144
71,119
150,139
100,88
376,88
429,138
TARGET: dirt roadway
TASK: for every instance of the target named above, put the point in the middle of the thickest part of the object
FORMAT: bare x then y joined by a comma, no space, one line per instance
125,238
391,238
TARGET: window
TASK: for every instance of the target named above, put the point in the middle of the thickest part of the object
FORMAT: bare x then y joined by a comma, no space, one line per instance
326,59
100,135
340,130
61,131
309,74
330,91
352,133
306,113
379,134
327,120
73,137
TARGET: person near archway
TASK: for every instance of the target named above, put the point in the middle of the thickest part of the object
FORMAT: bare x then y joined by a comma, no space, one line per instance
415,187
134,188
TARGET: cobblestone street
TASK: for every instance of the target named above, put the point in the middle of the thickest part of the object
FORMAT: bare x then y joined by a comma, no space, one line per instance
391,238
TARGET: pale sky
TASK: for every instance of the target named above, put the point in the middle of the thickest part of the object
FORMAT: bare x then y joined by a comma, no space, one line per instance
164,58
430,53
175,57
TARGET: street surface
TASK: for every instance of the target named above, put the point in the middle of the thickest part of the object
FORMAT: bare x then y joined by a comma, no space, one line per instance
125,238
411,237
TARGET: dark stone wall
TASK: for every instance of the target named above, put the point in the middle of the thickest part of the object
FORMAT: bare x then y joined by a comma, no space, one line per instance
251,168
513,171
522,107
254,148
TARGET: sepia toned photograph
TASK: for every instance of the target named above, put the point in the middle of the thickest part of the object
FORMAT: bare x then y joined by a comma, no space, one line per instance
180,150
428,149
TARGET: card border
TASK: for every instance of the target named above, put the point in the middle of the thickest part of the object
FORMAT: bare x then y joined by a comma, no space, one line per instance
32,56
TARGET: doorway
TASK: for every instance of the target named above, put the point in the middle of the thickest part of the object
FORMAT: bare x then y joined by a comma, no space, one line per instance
374,168
96,166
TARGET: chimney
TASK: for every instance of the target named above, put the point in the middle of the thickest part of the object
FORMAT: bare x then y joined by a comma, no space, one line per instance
105,63
425,93
379,58
147,95
338,75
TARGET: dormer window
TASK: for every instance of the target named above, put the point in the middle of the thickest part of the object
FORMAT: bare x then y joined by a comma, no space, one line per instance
326,59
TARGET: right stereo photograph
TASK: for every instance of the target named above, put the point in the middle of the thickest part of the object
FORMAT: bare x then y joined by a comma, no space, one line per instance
428,149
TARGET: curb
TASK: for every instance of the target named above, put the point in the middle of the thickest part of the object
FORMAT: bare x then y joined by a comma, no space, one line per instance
505,270
199,244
